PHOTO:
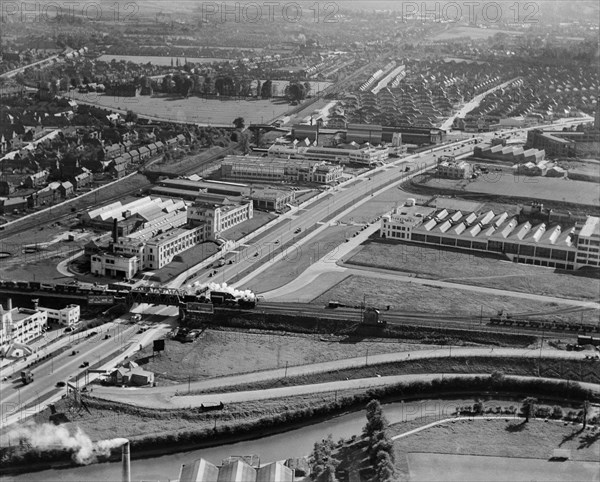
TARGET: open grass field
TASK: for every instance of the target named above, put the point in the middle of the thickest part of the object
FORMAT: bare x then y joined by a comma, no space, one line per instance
472,32
377,206
497,450
300,258
159,60
474,468
192,109
411,297
221,353
509,366
470,269
508,185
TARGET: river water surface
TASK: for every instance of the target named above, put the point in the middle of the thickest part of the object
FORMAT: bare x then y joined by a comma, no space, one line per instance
295,443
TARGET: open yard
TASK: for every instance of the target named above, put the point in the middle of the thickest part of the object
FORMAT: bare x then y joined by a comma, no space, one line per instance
497,450
509,185
221,353
410,297
192,109
470,269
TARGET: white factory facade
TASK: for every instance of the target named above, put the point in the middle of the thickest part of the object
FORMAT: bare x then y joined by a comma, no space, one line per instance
367,156
169,228
20,326
270,169
529,242
218,213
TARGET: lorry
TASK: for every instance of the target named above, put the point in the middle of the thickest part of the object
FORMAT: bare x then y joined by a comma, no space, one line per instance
26,377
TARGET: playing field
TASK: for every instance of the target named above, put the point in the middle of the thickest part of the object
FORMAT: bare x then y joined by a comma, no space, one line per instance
474,33
473,468
156,60
191,110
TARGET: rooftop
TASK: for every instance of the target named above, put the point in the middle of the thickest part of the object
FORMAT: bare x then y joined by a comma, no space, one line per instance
590,228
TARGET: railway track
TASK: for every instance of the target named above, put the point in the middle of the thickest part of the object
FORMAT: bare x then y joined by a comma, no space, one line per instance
433,320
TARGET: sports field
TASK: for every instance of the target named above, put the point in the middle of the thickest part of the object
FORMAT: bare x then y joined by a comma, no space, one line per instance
156,60
473,468
192,110
472,32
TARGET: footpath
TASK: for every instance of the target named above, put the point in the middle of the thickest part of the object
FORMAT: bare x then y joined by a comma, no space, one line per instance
173,396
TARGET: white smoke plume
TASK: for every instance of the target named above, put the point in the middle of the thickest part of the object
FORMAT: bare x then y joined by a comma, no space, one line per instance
225,288
51,437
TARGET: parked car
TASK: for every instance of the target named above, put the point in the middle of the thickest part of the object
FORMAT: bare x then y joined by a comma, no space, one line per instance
60,384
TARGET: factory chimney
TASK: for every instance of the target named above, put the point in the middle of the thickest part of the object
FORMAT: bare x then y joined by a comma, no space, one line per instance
9,304
126,463
115,232
36,303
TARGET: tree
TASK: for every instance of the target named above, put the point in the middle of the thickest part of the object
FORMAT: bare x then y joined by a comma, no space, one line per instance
375,432
376,421
384,467
557,412
295,91
585,409
266,91
245,143
131,116
528,408
239,122
322,462
478,407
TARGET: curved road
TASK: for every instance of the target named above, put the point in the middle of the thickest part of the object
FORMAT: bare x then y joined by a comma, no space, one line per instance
299,290
166,396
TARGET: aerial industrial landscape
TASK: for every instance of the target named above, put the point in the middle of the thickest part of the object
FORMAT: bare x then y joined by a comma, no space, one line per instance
300,241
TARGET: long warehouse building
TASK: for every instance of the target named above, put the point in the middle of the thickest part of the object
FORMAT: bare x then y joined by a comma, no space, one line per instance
529,242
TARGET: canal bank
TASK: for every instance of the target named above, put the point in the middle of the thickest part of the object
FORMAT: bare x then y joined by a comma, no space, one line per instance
286,421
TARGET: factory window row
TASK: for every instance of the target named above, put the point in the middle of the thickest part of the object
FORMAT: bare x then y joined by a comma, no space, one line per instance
492,245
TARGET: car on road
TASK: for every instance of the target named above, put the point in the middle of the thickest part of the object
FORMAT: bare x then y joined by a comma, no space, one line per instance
74,352
68,329
84,364
60,384
297,230
107,336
